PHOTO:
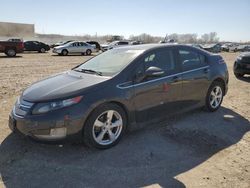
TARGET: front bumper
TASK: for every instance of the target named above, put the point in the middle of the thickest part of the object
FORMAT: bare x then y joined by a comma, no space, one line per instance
57,51
55,125
242,68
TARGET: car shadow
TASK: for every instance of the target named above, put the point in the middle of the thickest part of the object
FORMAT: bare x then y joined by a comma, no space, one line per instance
18,56
35,52
153,155
73,55
245,79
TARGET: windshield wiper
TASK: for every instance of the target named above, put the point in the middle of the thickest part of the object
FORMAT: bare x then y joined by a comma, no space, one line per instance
89,71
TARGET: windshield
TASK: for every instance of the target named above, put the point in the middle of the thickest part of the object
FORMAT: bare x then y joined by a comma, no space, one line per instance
113,43
111,62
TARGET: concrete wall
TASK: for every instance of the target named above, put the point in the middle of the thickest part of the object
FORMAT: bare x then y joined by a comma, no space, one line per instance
16,30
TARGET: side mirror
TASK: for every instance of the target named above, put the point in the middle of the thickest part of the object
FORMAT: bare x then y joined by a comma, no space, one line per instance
154,72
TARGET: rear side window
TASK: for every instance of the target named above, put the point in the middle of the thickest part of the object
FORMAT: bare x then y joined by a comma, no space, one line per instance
191,60
83,44
163,59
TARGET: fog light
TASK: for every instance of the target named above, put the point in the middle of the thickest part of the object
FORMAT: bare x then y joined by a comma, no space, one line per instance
58,132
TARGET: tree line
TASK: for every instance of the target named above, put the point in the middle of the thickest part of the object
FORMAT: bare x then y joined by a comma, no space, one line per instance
211,37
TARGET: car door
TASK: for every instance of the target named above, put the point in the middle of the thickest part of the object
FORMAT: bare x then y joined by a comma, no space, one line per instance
73,48
83,47
195,76
27,46
35,46
157,96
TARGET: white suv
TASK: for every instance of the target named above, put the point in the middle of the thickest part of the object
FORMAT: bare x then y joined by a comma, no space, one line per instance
114,44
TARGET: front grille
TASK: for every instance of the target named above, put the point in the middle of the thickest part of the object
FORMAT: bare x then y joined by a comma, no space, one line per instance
22,107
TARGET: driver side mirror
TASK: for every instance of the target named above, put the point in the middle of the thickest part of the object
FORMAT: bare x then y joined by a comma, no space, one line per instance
154,72
151,72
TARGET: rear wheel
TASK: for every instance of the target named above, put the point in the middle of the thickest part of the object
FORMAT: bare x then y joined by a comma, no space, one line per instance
105,126
64,52
42,50
10,52
214,96
88,52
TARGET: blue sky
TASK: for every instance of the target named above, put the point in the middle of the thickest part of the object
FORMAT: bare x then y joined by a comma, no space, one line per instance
229,18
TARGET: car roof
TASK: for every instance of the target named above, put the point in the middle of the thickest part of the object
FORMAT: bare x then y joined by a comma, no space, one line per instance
151,46
148,47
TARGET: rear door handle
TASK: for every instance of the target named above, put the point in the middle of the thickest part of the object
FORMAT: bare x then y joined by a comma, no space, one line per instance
206,70
176,79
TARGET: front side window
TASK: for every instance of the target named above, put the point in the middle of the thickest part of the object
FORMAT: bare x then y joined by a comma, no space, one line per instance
191,60
163,59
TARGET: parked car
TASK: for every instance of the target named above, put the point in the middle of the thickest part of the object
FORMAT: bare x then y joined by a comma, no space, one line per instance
230,47
100,98
11,48
214,48
114,44
60,43
15,40
136,42
243,48
242,65
74,47
246,48
95,44
36,46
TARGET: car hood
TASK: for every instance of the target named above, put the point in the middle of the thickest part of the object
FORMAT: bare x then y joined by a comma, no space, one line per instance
58,47
63,85
104,45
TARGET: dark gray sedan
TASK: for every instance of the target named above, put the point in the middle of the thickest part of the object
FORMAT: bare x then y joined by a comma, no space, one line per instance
100,98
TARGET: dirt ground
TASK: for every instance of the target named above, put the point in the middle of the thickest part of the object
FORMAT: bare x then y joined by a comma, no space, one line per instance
195,149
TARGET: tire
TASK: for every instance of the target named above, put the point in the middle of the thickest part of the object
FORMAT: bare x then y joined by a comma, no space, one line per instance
214,96
10,52
97,131
88,52
238,75
42,50
64,52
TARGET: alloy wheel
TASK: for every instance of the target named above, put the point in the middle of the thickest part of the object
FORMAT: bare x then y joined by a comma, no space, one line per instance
215,97
107,127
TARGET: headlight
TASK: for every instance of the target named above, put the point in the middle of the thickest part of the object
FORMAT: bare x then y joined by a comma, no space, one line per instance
42,108
239,58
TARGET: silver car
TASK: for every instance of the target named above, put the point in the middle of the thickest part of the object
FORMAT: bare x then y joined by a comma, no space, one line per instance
114,44
74,47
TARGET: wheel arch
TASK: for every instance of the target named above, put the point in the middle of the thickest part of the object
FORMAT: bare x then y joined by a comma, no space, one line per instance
10,47
118,103
221,80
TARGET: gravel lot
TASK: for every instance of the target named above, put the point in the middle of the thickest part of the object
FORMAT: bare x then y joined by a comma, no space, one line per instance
195,149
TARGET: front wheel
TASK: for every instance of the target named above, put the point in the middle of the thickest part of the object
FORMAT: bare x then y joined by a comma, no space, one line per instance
105,126
42,50
88,52
10,52
64,52
214,96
